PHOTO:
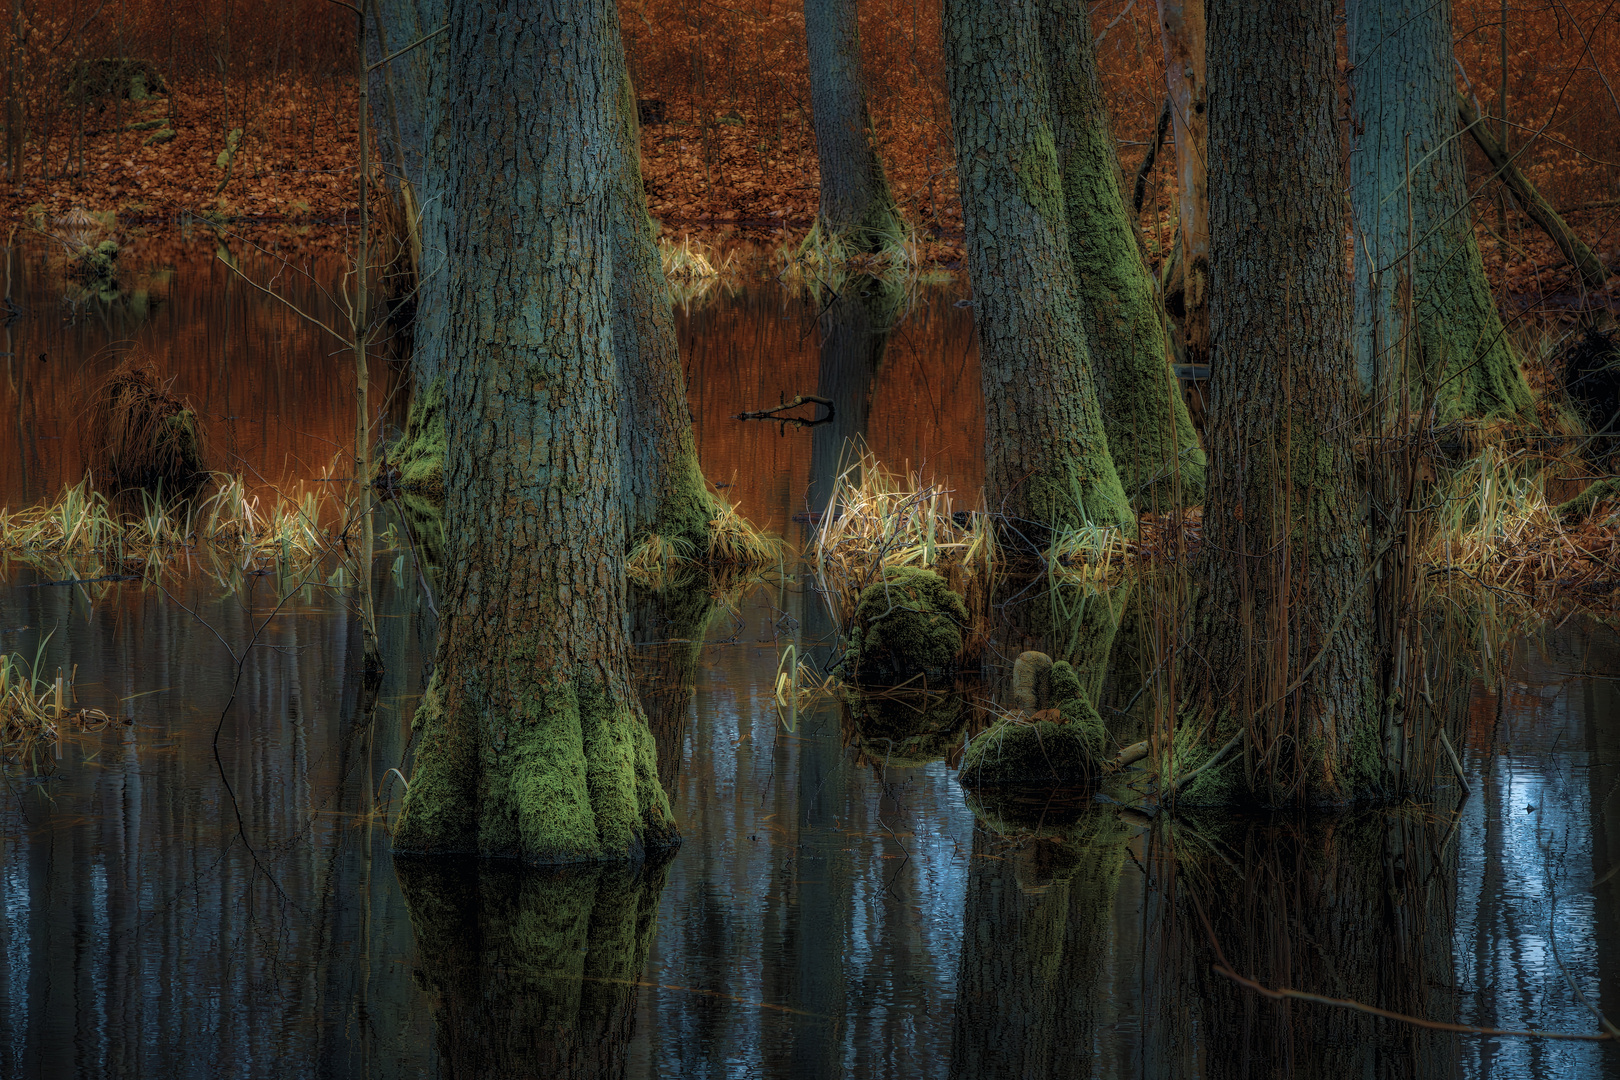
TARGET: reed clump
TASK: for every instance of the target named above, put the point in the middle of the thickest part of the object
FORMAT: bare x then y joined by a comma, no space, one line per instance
876,520
736,547
34,707
144,436
1497,528
83,521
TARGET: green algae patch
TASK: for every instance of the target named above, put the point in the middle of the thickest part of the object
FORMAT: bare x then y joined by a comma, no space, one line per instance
907,626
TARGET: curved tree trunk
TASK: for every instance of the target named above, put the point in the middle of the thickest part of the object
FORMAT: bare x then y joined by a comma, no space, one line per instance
1181,28
1047,465
857,208
665,493
1281,632
531,743
1149,432
1425,322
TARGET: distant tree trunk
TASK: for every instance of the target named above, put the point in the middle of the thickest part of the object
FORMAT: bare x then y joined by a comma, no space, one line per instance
530,740
857,208
665,493
532,972
1047,465
855,327
1425,321
1181,28
414,134
1151,435
1281,631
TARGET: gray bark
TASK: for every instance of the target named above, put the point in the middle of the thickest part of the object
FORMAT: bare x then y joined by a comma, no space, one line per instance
1425,322
532,744
1283,597
1047,463
856,204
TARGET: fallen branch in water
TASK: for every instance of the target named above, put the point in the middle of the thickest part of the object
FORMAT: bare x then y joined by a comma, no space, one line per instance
802,399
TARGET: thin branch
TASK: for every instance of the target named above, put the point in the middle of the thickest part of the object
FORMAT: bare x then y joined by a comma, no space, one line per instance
396,55
277,296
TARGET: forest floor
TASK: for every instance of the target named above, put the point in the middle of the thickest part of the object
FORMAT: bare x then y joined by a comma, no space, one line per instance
284,163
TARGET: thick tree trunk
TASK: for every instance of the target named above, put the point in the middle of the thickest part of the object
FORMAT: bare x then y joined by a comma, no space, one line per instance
1281,633
1425,323
665,493
1181,28
532,972
1047,465
530,741
857,208
1154,445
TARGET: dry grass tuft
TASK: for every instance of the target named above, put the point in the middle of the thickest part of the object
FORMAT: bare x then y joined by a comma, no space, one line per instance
143,436
1498,529
737,545
875,520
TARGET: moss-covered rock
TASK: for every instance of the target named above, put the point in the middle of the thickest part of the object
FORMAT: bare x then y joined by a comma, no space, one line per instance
909,625
1060,745
158,137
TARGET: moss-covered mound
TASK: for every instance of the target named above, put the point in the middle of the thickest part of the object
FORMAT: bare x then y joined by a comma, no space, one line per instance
1061,745
115,77
907,626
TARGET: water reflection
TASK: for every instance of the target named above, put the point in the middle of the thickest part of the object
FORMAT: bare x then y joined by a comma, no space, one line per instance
839,907
531,972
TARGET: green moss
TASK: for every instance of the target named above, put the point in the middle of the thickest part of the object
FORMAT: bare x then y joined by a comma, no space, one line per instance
420,455
907,625
1038,179
1045,751
1581,506
439,809
571,777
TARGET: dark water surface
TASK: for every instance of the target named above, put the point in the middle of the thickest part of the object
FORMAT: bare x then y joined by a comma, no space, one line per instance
207,890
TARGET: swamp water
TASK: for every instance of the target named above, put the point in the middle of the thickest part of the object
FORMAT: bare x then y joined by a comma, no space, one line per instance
207,890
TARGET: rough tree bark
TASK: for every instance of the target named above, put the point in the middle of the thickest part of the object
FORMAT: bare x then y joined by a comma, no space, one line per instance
1047,463
1281,630
531,743
1181,28
857,208
1425,321
1152,438
665,493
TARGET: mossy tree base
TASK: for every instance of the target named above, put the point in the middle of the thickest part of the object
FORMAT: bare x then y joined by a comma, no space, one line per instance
419,456
571,775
